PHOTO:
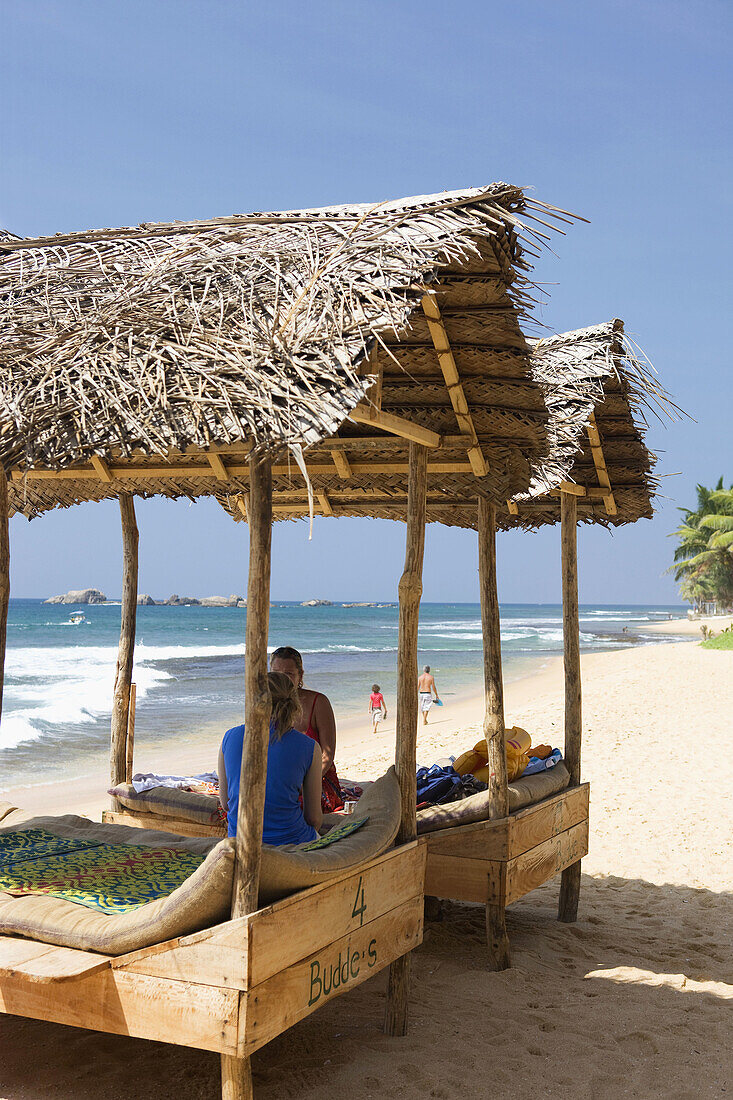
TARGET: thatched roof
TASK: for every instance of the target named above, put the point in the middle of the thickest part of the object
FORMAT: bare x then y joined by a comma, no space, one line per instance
599,389
152,359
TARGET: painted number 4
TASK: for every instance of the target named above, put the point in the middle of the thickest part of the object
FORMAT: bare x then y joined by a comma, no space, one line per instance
359,904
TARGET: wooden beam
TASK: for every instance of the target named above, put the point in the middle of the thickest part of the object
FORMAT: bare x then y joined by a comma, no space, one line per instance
570,884
102,468
126,650
4,575
397,425
236,1072
496,934
218,466
324,502
571,488
457,394
341,463
512,507
243,505
410,591
257,695
599,462
130,739
383,442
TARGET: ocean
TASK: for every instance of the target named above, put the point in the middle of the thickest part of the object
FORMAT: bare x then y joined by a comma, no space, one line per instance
189,667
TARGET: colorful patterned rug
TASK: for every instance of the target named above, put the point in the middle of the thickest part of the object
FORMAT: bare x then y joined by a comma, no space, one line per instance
33,843
112,878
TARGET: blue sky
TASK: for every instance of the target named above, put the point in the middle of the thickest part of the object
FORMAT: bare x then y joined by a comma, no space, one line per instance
121,113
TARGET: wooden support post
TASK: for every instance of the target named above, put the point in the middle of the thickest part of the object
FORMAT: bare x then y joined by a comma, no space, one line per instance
126,651
410,591
4,575
236,1078
496,934
257,695
570,884
236,1073
130,744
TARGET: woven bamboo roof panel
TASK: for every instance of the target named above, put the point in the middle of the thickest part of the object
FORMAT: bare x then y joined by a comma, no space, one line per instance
139,359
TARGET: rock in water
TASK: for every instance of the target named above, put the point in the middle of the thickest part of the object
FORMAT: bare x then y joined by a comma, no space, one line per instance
223,601
81,595
317,603
144,600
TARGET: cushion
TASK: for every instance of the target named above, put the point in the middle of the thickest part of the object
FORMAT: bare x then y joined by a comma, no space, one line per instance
522,792
200,809
289,868
204,898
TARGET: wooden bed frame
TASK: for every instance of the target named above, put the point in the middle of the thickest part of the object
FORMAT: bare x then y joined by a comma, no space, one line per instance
498,862
233,987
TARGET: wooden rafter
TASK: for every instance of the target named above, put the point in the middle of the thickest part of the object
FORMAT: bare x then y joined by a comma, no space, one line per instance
144,473
341,463
513,507
324,502
102,469
599,462
397,425
218,466
457,395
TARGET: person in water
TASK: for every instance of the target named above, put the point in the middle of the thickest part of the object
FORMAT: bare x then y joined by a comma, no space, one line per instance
293,769
377,706
316,720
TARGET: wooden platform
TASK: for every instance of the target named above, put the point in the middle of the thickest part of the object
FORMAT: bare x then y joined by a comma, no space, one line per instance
233,987
497,862
162,822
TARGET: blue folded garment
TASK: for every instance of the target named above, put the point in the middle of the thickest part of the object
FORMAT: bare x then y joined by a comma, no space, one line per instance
537,765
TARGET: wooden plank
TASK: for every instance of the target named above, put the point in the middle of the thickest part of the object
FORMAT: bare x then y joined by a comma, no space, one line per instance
532,868
162,823
397,425
456,393
55,964
283,934
481,840
241,953
292,994
131,1004
341,463
457,878
547,819
512,508
15,951
599,461
243,505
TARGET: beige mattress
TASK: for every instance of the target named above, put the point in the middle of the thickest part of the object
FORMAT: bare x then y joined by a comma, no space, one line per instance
522,792
204,898
199,809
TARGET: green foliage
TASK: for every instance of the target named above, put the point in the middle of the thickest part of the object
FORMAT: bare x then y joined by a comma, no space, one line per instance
704,553
724,640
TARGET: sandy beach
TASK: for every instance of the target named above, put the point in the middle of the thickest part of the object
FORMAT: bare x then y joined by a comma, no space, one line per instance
633,1000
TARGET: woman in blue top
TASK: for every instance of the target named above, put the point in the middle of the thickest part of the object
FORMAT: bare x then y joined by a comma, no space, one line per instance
293,766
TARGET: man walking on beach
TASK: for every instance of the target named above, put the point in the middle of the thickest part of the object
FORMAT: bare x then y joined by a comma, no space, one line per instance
427,689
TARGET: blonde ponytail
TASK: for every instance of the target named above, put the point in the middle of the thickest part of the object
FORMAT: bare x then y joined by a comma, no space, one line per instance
285,703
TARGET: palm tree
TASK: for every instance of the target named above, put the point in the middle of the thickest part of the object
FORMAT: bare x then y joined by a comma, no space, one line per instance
704,554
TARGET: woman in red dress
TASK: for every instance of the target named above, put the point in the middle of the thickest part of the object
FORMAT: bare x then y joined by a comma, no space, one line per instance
317,721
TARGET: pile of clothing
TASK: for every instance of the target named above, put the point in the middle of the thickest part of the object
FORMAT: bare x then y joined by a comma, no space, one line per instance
451,780
440,784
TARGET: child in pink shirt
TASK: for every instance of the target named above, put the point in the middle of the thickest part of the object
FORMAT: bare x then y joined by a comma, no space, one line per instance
377,707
